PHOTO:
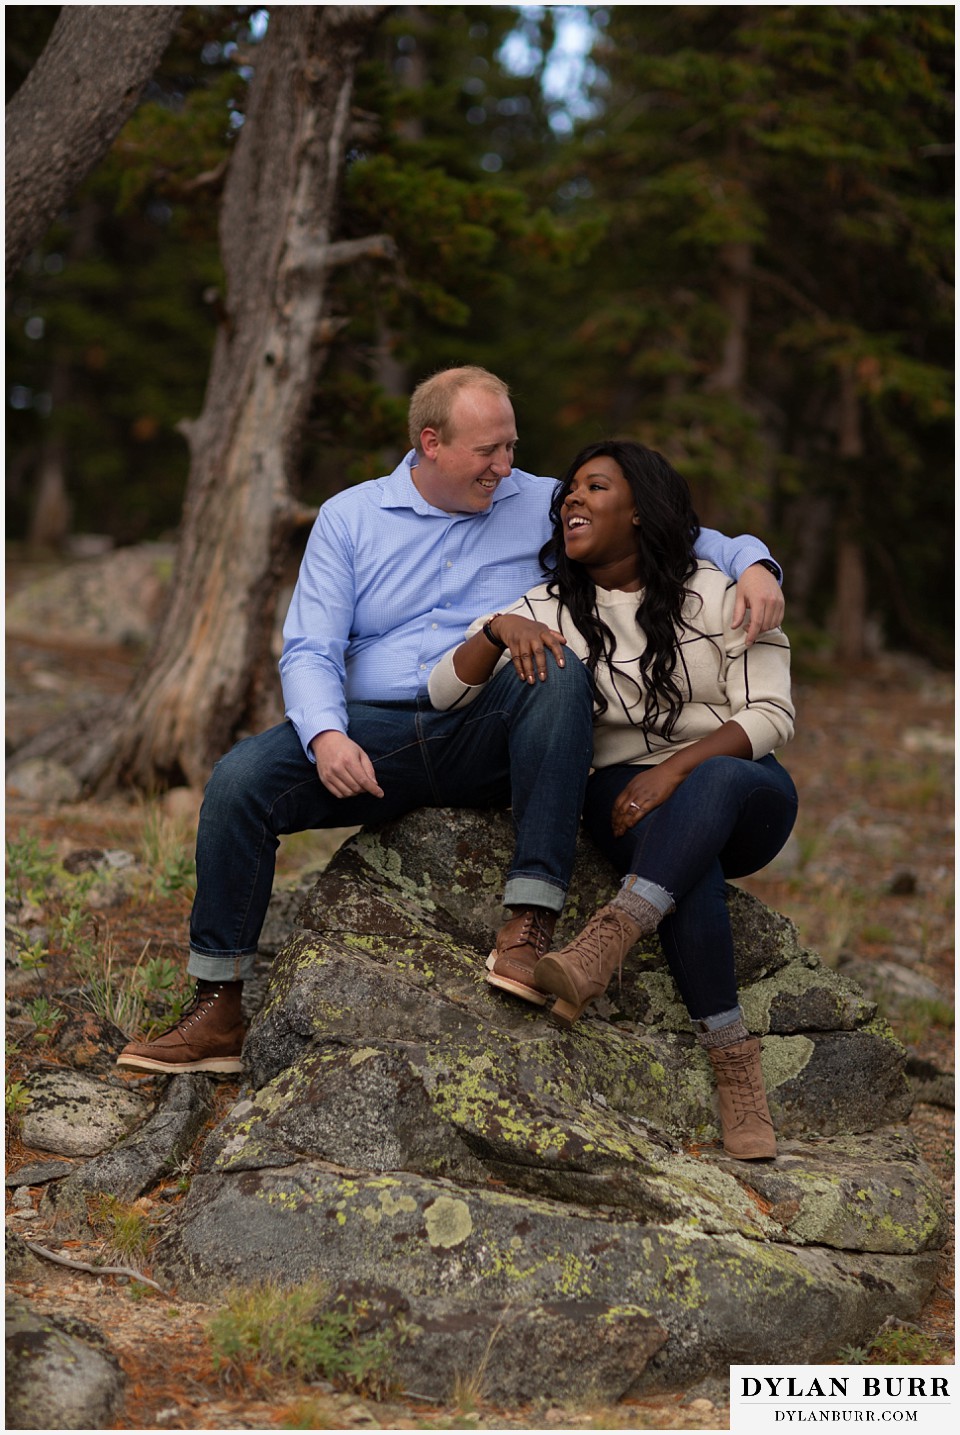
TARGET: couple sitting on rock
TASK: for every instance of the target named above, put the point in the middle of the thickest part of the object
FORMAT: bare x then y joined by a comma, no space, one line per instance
623,689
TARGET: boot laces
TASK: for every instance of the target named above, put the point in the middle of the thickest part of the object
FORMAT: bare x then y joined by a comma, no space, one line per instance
588,950
747,1097
199,1007
533,932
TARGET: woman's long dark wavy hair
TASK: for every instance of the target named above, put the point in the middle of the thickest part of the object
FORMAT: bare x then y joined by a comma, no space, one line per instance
665,536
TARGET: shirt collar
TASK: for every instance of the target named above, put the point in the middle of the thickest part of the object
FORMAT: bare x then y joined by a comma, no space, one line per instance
400,491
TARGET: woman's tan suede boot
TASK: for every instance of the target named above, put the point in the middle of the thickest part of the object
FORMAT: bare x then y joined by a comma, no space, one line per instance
748,1132
581,971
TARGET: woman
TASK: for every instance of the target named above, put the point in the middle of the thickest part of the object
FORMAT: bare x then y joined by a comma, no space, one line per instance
685,791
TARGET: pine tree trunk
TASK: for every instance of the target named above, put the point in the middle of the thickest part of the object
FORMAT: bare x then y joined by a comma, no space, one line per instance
391,373
734,292
52,509
850,613
65,115
209,674
50,515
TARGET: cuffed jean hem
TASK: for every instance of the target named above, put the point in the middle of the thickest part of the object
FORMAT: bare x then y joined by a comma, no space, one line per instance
651,892
533,892
231,967
722,1019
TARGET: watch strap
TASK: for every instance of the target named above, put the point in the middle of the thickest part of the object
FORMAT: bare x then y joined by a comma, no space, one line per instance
491,636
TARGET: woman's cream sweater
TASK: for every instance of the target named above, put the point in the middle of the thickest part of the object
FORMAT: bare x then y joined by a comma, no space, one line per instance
721,678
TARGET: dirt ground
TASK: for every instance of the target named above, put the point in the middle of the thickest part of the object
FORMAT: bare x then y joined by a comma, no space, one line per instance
868,878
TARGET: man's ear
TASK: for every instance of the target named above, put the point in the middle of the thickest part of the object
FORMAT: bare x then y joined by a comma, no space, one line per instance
636,518
429,443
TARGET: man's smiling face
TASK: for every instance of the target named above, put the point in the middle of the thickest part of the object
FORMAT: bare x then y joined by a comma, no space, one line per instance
459,471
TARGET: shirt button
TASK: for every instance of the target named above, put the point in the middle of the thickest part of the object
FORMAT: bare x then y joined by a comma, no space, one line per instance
449,564
433,625
446,605
422,666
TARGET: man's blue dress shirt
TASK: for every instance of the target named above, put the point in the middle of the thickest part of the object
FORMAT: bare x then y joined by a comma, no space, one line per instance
389,583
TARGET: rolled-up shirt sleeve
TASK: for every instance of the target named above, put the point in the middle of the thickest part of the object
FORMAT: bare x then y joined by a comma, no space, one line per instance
445,689
733,556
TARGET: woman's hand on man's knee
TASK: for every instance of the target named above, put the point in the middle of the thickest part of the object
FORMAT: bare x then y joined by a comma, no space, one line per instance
529,642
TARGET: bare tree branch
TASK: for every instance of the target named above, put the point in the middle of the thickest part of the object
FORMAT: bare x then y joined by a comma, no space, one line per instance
348,251
71,106
94,1270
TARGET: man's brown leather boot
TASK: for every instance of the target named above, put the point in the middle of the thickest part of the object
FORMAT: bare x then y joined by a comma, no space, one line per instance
208,1037
520,944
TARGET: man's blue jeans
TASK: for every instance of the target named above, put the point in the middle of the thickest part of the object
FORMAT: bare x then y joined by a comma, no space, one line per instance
520,745
730,817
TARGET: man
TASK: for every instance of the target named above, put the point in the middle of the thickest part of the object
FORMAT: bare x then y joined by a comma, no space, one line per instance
394,572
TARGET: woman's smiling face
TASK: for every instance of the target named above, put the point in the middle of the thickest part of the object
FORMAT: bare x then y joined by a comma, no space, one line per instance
599,520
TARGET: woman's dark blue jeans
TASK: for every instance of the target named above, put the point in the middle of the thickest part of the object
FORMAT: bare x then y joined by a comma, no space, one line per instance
520,745
730,817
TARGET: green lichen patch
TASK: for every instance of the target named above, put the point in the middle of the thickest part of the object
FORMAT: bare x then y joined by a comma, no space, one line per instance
801,998
867,1193
448,1222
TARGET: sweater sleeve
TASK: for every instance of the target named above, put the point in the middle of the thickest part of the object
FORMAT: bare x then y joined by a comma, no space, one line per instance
446,690
758,684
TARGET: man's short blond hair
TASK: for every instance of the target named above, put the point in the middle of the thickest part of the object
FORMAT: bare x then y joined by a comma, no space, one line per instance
432,401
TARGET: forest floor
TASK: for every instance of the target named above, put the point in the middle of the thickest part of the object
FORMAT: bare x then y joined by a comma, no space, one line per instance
867,877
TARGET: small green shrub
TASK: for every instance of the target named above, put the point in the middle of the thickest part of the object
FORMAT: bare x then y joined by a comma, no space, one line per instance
126,1228
901,1346
70,926
46,1017
894,1345
167,849
876,932
112,994
853,1354
33,956
30,868
143,999
16,1099
290,1332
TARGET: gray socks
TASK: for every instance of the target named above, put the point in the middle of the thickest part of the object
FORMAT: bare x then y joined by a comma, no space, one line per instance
725,1035
648,918
641,912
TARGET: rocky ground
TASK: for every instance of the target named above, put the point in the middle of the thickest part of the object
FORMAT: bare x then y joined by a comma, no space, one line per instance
868,878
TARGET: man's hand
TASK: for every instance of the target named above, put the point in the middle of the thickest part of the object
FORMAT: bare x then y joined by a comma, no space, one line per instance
343,766
759,592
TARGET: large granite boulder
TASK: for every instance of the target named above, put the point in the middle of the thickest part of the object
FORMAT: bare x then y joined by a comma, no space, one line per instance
409,1129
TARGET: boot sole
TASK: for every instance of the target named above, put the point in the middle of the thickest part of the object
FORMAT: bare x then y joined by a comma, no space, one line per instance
507,984
564,1013
554,978
751,1153
225,1065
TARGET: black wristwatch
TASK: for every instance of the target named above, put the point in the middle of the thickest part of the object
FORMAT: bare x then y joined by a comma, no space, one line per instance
491,636
770,566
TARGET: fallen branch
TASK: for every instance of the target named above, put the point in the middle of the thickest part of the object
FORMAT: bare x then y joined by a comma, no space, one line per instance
94,1270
